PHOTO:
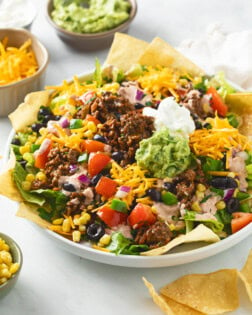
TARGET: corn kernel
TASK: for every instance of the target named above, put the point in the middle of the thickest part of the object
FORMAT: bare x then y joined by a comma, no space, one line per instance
3,280
76,236
29,177
26,185
66,226
6,247
220,205
201,187
58,221
6,257
14,268
24,149
231,174
105,240
199,194
91,126
32,138
85,218
88,134
172,227
99,126
195,206
5,273
82,228
41,176
76,221
154,210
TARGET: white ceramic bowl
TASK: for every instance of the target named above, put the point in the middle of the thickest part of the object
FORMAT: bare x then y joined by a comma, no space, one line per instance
11,95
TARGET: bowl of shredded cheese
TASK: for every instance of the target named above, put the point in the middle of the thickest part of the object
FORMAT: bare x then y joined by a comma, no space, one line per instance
10,263
23,63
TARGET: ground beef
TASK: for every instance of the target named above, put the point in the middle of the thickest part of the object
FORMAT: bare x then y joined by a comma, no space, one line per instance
58,164
186,183
109,106
158,234
124,135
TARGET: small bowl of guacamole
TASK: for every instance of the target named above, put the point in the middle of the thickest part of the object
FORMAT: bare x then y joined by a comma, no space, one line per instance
90,24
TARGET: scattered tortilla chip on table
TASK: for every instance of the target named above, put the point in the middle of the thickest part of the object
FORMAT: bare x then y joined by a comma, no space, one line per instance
200,234
161,53
212,293
246,275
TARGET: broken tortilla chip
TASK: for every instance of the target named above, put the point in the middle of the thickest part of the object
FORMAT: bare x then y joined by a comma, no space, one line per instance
200,234
26,113
167,305
125,51
212,293
161,53
246,275
241,104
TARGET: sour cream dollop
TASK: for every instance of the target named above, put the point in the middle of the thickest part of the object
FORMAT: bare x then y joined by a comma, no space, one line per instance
172,116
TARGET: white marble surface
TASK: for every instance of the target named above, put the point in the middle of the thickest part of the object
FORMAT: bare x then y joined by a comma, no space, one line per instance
55,282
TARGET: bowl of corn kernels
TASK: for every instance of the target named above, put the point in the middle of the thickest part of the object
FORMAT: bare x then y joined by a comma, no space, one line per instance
10,263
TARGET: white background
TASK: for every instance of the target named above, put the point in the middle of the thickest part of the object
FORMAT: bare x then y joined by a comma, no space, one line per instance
55,282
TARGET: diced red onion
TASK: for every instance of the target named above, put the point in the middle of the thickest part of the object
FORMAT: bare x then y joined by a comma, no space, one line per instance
84,179
64,122
228,193
73,168
139,95
125,188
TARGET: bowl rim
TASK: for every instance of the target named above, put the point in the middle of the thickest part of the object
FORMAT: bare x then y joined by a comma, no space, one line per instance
14,244
99,35
42,48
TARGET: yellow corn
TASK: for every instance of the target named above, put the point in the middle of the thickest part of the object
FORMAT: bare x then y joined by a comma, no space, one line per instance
58,221
41,176
14,268
66,226
24,149
201,187
220,205
85,218
199,194
76,235
231,174
196,206
91,126
26,185
104,240
29,177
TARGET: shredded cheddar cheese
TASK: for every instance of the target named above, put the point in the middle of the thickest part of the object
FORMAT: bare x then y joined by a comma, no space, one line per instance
222,138
16,63
134,177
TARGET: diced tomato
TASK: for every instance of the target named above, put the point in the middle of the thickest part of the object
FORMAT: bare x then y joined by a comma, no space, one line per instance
111,217
140,215
93,146
97,162
93,119
240,220
217,102
41,155
106,187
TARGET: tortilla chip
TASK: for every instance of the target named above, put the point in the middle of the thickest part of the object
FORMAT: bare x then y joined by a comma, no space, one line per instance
29,211
200,234
241,104
125,51
211,293
246,275
7,185
161,303
161,53
26,113
168,305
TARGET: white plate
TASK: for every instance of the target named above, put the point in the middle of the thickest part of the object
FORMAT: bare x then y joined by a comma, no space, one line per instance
180,255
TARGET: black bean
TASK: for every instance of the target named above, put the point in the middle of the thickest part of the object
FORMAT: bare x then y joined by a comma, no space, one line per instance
23,163
95,231
117,156
57,117
69,187
198,125
100,138
43,111
139,106
48,117
170,187
95,179
207,126
16,141
154,194
37,127
232,205
223,182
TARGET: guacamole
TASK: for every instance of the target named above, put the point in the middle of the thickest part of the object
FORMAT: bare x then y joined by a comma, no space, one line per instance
90,16
163,154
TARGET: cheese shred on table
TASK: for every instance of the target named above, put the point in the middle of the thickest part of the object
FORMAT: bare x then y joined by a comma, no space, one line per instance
16,63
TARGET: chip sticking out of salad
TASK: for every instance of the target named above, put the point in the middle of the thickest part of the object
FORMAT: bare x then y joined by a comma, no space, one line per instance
132,161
